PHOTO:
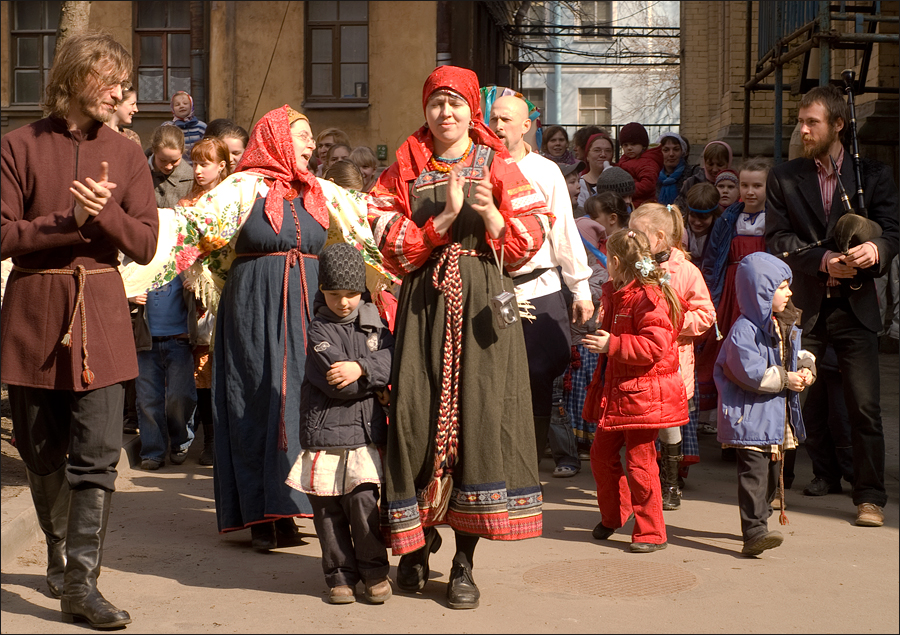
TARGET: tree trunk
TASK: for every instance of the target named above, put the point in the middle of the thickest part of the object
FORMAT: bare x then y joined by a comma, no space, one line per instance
73,19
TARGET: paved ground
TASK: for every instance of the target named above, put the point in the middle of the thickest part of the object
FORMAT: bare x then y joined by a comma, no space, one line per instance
165,563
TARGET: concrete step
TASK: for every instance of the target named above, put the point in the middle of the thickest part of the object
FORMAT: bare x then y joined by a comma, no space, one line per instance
20,529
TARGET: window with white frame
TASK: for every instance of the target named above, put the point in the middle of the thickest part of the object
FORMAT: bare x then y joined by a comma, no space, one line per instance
594,106
536,97
32,45
162,49
596,17
337,51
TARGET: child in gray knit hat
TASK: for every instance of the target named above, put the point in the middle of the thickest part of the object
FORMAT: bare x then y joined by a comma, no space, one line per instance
342,425
614,179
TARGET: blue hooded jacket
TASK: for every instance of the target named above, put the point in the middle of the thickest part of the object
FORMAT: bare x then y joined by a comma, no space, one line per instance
749,374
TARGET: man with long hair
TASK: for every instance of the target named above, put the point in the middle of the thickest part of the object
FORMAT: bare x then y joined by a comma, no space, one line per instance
834,290
74,194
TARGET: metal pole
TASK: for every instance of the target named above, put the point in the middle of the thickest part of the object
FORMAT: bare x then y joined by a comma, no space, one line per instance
779,13
824,46
556,45
745,147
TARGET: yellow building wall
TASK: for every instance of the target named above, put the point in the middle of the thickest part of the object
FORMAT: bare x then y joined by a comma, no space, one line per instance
713,75
244,42
713,40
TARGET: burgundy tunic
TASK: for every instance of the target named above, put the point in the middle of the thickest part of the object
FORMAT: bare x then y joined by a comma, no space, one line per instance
38,231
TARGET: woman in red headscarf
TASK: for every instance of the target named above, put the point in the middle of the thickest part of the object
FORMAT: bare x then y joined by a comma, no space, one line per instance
461,448
260,343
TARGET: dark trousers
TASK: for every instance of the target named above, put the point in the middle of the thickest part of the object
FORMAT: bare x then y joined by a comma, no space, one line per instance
857,356
548,344
757,484
828,431
81,430
350,535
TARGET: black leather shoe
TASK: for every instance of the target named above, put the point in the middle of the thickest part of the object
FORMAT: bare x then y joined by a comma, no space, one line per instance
820,487
602,532
461,590
262,536
412,570
287,533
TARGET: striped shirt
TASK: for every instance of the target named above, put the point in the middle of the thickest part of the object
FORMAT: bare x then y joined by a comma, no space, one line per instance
828,182
827,186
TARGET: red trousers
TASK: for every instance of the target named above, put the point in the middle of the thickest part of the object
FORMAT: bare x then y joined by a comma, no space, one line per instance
640,492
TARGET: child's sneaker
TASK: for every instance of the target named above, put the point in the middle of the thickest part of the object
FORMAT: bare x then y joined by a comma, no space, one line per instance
768,540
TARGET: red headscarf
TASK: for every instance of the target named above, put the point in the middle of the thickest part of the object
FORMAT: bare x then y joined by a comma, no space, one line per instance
418,148
270,153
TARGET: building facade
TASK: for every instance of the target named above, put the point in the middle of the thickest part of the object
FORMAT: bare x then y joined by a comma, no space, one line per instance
714,42
355,65
603,63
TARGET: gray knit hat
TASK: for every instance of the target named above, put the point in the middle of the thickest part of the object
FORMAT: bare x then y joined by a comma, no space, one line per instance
616,180
342,268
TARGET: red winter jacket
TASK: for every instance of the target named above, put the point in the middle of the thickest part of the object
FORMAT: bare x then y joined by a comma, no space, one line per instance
637,384
645,172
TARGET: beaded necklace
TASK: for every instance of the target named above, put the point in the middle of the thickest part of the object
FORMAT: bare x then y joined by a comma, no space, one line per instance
441,164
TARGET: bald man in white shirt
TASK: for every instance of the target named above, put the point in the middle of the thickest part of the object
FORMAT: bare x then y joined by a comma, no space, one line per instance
548,338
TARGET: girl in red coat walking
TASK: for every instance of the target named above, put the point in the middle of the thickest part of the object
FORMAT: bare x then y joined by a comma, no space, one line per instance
636,390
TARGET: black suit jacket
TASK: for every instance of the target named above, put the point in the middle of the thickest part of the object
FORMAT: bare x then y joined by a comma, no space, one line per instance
795,217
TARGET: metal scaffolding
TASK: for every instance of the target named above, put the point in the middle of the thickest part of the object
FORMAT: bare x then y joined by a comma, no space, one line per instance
789,29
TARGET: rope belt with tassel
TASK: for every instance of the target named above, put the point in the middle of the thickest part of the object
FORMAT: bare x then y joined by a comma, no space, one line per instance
446,446
80,274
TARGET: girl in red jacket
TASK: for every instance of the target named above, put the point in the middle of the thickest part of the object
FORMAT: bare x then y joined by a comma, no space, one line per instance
636,390
665,230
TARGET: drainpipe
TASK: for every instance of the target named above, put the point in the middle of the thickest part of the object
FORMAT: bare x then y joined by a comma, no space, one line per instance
556,80
824,45
443,55
745,148
198,66
779,86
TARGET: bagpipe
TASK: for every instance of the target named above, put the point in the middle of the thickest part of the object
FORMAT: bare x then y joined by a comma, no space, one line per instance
854,227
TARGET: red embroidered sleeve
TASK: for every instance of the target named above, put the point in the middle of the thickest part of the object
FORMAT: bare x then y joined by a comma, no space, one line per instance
404,245
528,219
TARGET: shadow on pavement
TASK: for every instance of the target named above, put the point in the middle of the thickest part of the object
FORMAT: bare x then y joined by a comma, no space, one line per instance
14,603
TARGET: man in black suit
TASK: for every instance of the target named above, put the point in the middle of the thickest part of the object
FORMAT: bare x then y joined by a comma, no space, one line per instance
836,291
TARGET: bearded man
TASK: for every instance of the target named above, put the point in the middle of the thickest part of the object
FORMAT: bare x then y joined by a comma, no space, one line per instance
64,231
836,291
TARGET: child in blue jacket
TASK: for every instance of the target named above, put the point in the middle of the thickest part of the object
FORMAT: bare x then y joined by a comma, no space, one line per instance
760,373
343,427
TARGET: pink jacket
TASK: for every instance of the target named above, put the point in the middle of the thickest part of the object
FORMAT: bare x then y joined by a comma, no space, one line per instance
699,316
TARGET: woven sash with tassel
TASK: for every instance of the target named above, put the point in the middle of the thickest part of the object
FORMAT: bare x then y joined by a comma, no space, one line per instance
446,447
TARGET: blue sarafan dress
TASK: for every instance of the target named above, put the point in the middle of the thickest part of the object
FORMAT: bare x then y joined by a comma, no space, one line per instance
248,367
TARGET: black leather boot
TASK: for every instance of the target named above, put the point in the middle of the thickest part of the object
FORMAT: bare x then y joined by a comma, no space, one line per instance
413,570
208,455
541,430
81,600
50,494
671,457
461,590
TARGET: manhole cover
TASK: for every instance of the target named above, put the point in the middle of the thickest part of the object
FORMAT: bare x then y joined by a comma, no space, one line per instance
612,578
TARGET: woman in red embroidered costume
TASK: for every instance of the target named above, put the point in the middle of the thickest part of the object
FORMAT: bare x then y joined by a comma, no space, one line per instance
260,343
461,446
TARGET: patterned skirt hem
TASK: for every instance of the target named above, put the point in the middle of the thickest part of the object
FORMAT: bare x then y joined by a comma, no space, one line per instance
519,518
